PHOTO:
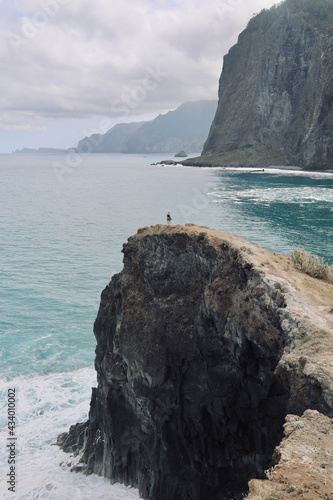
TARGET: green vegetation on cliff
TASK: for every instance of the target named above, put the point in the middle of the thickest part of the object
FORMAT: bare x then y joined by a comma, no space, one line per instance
317,13
264,19
250,155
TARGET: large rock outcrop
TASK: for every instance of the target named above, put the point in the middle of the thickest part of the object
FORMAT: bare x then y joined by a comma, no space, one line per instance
276,90
203,347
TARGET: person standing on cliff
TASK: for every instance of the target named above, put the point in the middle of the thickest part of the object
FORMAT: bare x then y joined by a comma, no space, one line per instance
169,218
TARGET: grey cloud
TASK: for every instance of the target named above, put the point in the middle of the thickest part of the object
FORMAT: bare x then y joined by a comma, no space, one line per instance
87,56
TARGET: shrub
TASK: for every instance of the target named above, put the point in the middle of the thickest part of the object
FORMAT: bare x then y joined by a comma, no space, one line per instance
312,265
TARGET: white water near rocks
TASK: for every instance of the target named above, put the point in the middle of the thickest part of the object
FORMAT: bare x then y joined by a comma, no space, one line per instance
61,234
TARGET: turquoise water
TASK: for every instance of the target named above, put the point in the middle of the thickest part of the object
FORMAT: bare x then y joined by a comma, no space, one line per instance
279,209
62,226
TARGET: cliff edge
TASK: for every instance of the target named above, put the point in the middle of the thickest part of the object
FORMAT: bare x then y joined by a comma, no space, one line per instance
275,94
205,343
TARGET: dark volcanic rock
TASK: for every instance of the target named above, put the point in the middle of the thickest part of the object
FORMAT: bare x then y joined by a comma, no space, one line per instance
189,404
276,88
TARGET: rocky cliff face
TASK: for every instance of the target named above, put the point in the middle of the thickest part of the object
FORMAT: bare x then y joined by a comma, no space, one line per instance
276,86
202,349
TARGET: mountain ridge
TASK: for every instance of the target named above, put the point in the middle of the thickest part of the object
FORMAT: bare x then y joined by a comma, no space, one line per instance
185,128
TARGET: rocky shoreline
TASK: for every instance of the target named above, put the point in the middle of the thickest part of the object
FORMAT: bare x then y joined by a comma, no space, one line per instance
205,343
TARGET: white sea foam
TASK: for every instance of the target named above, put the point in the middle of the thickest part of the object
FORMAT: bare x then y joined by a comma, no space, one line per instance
46,407
265,170
303,195
276,171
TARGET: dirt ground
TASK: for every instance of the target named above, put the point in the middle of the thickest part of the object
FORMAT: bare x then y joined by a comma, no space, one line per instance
305,467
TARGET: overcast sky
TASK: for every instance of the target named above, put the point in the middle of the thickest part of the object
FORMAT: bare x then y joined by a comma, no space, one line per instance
72,67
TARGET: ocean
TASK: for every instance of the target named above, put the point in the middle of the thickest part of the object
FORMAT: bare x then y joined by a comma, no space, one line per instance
63,221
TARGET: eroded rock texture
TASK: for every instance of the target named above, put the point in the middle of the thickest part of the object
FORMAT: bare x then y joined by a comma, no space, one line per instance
276,86
189,404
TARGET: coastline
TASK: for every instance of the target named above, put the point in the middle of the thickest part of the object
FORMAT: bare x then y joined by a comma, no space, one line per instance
292,169
260,156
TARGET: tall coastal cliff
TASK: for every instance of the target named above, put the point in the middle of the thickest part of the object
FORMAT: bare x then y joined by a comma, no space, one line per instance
203,347
276,90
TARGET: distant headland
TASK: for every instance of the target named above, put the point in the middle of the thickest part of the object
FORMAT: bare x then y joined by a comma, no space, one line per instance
185,128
